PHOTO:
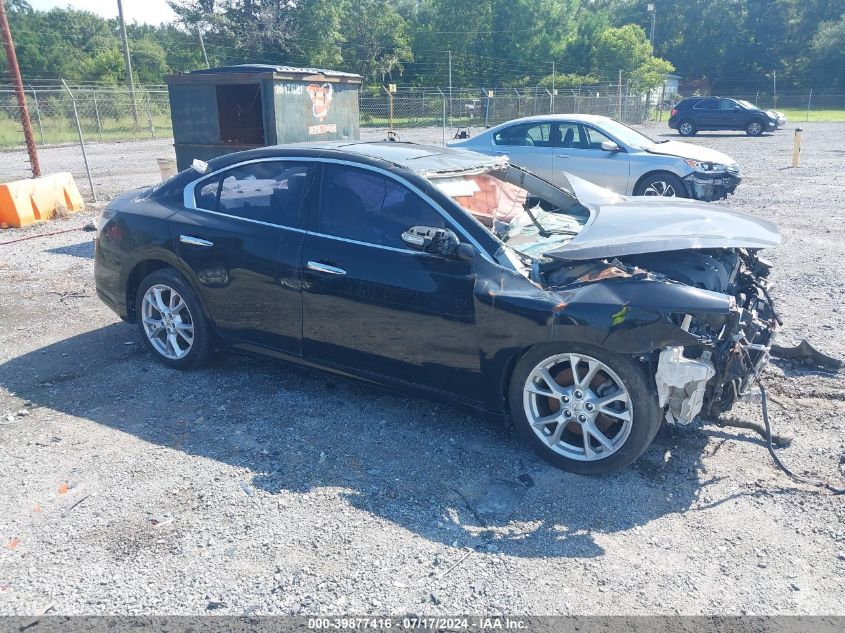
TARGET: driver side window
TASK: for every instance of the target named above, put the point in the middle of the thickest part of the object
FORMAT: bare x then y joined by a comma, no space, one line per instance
365,206
593,138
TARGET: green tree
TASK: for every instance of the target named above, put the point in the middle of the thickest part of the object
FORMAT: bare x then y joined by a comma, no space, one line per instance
627,48
828,52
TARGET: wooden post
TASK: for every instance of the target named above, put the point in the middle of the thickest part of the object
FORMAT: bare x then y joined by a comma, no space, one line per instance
796,148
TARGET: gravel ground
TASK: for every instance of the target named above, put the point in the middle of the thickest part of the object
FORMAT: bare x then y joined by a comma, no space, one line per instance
256,487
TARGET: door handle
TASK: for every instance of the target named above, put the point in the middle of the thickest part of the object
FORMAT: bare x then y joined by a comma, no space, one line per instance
499,152
325,268
195,241
562,156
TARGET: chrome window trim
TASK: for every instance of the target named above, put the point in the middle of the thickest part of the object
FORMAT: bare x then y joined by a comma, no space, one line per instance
189,200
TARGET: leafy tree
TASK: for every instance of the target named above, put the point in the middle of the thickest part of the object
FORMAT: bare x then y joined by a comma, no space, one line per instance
829,51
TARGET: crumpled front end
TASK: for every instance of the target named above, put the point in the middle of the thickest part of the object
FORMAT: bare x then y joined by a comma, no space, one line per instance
708,187
709,378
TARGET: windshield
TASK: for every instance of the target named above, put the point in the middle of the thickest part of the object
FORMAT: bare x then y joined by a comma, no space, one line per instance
626,134
528,214
747,104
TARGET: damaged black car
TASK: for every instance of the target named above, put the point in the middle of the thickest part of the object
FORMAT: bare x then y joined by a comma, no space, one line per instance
583,318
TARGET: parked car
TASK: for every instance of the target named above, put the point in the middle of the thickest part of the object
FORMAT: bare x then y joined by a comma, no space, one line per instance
717,113
453,276
609,154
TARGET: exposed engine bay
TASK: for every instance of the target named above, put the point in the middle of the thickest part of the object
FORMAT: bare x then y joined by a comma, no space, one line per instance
711,376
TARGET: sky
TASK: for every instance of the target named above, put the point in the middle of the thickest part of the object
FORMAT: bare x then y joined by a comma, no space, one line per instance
149,11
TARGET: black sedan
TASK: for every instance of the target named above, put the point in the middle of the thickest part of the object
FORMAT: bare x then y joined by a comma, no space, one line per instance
717,113
454,276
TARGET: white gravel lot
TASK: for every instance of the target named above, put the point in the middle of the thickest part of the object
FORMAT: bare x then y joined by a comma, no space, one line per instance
253,486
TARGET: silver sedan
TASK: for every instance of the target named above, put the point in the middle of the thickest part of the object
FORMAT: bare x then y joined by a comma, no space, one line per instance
609,154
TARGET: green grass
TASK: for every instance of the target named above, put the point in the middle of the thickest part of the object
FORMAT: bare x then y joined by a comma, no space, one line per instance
796,115
61,130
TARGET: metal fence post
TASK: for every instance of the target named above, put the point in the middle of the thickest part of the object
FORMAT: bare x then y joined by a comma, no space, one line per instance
809,98
97,113
444,122
38,115
150,115
81,140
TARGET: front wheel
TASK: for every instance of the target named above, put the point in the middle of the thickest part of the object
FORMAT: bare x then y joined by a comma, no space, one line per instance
661,184
582,408
171,320
754,128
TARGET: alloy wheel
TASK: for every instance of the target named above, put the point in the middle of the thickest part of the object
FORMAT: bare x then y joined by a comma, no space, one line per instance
685,129
660,188
755,128
578,406
167,322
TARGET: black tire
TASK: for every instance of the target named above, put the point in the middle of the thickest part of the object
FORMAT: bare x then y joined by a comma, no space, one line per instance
755,127
201,340
687,128
658,180
645,421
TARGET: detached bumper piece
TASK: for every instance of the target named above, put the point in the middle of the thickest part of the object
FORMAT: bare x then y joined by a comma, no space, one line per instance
709,187
681,384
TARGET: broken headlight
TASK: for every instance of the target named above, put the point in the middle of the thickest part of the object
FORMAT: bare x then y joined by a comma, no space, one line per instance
710,167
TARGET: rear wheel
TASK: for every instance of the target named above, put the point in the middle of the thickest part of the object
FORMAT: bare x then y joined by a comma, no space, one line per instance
661,184
687,128
171,320
585,409
755,128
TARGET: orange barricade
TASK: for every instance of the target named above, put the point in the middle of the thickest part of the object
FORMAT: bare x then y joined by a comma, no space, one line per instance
23,202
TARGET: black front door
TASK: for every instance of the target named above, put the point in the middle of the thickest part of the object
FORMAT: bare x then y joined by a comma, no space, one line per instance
373,305
243,242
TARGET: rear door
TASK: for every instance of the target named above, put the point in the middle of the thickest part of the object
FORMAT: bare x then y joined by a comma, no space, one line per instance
373,305
241,234
708,115
528,145
580,153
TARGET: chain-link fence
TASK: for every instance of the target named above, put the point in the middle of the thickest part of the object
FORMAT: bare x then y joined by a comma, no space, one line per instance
110,114
429,115
437,107
104,114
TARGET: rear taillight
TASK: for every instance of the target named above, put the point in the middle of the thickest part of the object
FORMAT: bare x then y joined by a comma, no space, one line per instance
674,111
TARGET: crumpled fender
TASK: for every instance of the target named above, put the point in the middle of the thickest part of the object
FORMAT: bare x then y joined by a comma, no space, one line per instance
632,316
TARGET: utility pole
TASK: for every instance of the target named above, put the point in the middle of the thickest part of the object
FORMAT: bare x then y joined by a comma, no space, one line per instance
202,45
128,62
15,70
652,10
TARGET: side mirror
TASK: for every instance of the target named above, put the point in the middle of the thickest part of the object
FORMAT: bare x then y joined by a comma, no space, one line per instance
610,146
736,107
430,239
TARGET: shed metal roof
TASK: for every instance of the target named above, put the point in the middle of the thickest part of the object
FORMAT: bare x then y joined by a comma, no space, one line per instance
270,68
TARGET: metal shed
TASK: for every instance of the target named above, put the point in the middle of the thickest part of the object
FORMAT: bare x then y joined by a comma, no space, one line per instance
232,108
